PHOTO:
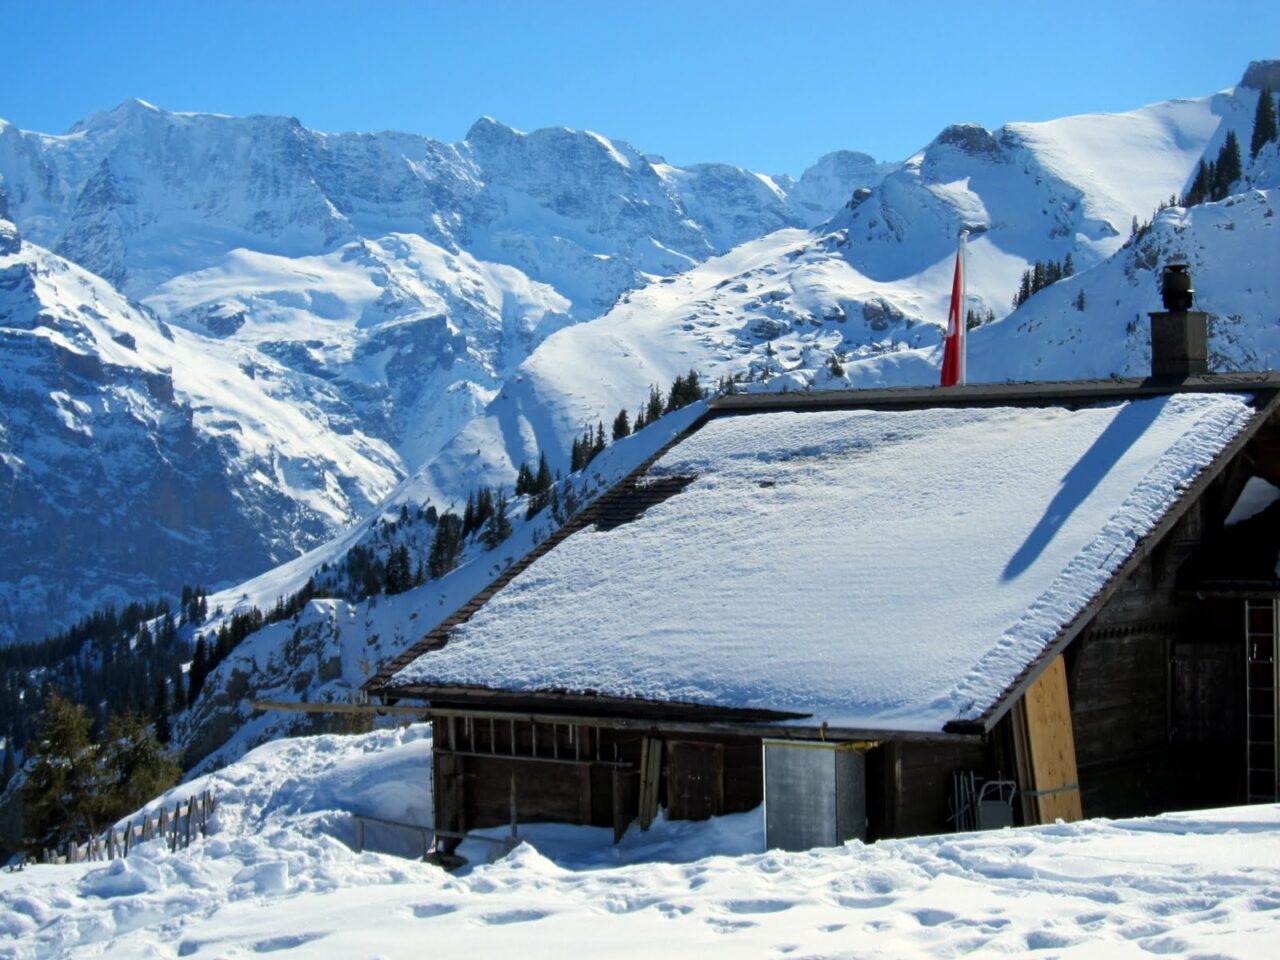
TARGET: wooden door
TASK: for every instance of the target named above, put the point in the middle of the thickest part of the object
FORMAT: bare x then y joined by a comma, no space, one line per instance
695,780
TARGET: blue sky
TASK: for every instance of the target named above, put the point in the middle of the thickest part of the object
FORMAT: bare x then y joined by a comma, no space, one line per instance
771,86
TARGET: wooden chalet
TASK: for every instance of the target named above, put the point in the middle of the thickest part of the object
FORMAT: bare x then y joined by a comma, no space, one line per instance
1154,689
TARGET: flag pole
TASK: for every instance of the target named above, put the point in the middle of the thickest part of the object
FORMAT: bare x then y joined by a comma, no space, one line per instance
964,310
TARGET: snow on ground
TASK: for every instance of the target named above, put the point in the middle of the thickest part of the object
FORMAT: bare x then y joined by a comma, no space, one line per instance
876,570
275,877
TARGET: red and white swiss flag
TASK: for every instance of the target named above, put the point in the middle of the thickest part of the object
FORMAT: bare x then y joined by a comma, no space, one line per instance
953,357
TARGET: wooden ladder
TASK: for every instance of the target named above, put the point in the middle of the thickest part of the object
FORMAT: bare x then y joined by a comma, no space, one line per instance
1261,703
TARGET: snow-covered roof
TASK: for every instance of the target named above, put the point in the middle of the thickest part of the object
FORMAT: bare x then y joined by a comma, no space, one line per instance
874,569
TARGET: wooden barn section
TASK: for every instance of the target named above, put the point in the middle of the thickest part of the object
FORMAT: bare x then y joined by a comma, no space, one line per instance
1156,691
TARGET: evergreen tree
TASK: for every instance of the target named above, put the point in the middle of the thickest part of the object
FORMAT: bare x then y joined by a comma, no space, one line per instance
469,515
598,445
621,425
639,421
399,573
199,670
542,488
542,481
177,692
1080,300
653,410
1264,123
1227,168
499,527
835,366
524,480
446,546
134,765
484,507
160,711
63,796
1069,266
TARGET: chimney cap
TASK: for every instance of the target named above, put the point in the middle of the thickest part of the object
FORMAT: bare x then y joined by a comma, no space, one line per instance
1176,290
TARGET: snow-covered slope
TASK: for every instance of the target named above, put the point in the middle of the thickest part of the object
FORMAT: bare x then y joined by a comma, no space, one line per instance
136,456
380,287
871,285
277,875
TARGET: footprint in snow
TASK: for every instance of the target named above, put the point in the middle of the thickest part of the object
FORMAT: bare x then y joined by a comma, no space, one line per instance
272,944
931,918
757,906
512,916
425,911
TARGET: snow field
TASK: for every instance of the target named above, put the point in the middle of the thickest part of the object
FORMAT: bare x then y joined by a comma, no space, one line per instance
272,878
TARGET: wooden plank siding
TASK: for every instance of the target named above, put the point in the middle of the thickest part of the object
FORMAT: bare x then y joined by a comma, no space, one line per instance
1155,683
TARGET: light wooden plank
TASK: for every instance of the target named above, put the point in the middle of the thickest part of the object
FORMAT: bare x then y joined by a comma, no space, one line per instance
1051,748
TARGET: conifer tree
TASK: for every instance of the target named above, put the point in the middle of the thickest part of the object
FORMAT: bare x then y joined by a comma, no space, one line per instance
542,480
653,410
598,445
446,546
524,480
399,573
199,670
63,796
484,507
498,527
177,692
1069,266
639,421
621,425
160,711
1264,123
135,767
1228,168
469,515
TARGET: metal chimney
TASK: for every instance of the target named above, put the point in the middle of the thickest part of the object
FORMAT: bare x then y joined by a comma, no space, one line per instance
1179,335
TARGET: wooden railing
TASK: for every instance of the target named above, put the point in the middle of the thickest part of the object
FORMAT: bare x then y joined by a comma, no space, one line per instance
177,828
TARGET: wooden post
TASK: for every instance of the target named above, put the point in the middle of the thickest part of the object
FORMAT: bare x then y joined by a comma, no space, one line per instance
513,804
650,774
619,821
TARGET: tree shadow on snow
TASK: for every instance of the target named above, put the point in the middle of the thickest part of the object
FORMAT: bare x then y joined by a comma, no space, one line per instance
1082,479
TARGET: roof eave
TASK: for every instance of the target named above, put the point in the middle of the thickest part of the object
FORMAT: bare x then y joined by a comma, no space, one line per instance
987,720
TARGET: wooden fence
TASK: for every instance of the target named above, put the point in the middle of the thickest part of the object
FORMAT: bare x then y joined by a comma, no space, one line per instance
177,828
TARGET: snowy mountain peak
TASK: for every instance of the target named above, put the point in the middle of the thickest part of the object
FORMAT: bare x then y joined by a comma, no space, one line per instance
126,112
1262,75
971,139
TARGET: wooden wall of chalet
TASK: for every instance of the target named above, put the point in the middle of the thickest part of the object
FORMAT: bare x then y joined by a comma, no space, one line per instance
577,773
1155,684
909,785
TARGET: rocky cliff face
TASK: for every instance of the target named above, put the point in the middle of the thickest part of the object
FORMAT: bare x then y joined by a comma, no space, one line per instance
133,458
